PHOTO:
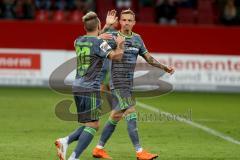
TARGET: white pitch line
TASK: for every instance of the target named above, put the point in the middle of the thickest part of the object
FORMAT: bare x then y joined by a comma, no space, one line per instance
191,123
209,120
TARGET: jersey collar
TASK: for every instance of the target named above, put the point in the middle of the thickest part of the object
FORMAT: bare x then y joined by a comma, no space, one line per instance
125,35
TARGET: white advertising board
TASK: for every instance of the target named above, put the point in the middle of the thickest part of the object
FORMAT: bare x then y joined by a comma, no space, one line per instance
26,67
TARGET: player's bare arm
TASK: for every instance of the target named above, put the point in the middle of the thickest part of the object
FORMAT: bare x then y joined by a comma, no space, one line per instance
110,20
105,36
152,61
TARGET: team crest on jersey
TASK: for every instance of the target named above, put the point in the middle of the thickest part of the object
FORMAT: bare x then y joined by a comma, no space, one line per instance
104,46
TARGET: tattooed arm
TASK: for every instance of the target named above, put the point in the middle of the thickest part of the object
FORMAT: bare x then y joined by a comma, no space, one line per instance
152,61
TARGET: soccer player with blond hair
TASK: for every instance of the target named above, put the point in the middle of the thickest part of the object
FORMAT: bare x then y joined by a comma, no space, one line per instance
91,52
122,73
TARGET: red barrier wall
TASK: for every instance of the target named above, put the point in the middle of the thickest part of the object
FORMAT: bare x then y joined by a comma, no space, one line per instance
179,39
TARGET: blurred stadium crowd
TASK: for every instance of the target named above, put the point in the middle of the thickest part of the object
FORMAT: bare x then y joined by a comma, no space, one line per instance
169,12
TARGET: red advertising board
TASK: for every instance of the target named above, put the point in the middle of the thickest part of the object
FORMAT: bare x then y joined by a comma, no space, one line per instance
20,61
215,40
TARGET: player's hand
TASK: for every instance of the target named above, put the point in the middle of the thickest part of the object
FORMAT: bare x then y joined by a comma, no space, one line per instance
120,41
105,36
111,17
170,70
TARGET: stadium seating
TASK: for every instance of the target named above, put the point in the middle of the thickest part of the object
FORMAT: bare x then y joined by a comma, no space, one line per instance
146,15
205,12
75,16
186,16
103,6
59,15
42,15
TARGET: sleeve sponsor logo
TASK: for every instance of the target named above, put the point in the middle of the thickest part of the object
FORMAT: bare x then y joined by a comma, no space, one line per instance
104,46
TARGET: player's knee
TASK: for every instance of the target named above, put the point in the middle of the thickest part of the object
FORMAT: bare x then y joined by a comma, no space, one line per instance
94,125
130,111
116,116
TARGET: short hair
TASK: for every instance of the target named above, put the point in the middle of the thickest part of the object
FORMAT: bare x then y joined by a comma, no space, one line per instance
90,21
128,11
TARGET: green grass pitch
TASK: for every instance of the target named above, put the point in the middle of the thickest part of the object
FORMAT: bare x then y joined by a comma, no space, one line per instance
29,127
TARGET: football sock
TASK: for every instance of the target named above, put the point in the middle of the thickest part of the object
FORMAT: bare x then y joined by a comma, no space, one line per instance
133,131
107,132
75,135
83,141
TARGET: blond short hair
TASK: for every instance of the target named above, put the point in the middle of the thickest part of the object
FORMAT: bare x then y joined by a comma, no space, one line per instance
90,21
128,11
